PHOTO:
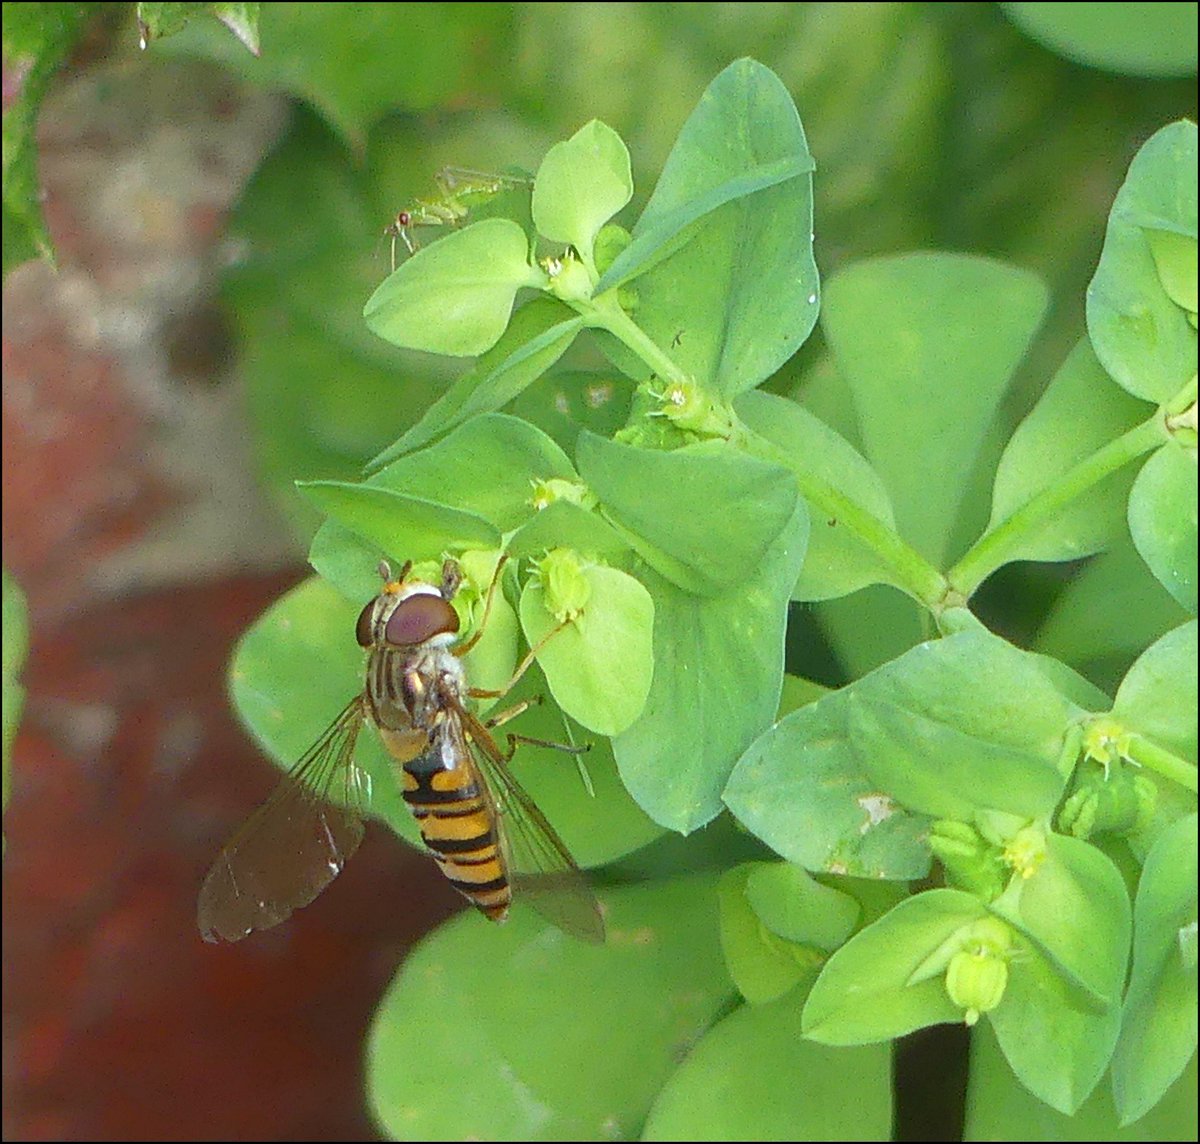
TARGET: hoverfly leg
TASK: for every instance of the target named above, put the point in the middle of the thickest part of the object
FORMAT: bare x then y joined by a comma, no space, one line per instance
515,740
522,667
466,645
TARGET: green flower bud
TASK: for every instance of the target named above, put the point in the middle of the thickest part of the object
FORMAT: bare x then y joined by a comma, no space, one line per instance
1105,741
1116,800
569,278
975,981
1026,851
971,863
610,242
977,972
688,407
565,586
547,491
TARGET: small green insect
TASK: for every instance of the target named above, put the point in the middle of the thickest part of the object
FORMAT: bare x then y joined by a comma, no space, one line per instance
458,191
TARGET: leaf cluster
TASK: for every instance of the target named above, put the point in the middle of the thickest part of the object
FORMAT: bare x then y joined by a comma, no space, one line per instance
674,541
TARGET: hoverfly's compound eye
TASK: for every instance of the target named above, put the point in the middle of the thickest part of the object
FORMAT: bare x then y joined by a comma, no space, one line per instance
362,630
420,618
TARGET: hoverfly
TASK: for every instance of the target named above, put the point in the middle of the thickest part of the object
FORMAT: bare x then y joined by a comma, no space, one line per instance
459,191
481,827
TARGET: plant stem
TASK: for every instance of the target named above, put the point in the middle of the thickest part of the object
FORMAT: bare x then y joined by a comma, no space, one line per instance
1150,755
910,571
992,550
606,314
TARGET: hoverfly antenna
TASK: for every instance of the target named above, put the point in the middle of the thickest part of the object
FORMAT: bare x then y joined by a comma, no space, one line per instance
385,570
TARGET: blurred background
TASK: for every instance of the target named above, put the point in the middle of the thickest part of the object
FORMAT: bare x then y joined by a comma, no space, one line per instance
216,221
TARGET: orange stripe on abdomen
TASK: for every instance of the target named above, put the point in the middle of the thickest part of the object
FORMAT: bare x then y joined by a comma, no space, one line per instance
456,824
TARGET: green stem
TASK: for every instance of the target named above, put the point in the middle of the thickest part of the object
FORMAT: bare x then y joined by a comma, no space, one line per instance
993,549
606,314
1184,398
908,569
1150,755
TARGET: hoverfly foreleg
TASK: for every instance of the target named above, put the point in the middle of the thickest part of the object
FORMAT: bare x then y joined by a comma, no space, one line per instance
466,645
522,667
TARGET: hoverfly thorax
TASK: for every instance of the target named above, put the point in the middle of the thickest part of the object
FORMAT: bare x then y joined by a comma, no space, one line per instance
408,629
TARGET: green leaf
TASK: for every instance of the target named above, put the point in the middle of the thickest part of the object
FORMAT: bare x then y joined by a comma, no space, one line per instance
1075,909
1072,686
600,665
399,526
1158,1029
36,38
961,724
928,344
651,496
864,992
1131,39
837,562
562,402
535,339
1142,337
871,627
1157,698
535,1011
1112,608
566,525
1080,411
1175,258
1162,520
724,246
801,788
999,1107
753,1077
455,296
580,185
1060,1016
763,965
486,466
797,907
718,672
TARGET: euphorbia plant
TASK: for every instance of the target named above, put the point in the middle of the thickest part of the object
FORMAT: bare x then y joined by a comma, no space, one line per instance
971,832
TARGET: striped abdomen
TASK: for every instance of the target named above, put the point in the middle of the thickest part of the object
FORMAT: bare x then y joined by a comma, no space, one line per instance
457,823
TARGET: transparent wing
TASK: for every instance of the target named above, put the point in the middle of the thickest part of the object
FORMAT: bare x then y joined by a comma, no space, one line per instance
541,869
296,843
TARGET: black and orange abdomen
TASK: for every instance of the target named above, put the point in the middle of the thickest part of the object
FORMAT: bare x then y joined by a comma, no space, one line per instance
457,823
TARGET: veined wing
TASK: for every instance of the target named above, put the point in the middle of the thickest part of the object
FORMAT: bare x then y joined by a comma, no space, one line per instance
541,868
296,843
